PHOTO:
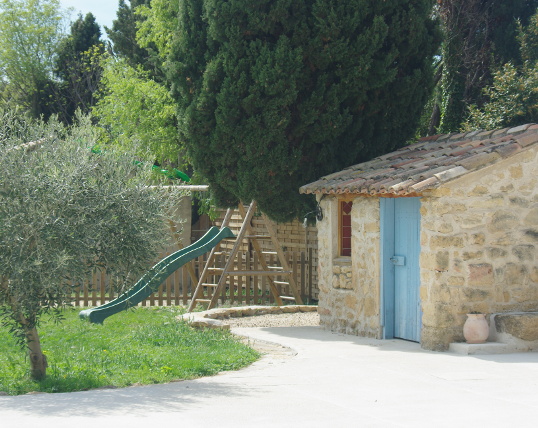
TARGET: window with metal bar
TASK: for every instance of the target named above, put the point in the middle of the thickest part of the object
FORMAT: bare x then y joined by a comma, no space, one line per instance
345,228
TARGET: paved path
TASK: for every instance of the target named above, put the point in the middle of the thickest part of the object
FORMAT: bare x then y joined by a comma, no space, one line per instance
332,381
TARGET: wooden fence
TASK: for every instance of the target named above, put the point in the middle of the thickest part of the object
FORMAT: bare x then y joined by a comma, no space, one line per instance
178,288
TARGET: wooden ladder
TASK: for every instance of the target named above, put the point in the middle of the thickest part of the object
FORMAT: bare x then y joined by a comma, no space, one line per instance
245,233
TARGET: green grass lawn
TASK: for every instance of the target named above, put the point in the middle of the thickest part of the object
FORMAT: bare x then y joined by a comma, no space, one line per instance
139,346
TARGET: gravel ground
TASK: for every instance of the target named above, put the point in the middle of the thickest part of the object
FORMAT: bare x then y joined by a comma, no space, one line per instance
276,320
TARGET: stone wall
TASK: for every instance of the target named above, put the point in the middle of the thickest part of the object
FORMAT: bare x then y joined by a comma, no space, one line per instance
349,286
479,239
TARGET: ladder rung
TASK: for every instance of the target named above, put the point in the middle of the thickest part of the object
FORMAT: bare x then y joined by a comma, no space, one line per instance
215,269
203,300
281,283
220,253
270,253
258,236
287,298
209,285
274,267
257,272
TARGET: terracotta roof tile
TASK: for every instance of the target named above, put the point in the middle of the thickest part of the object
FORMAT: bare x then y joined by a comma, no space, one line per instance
526,139
518,129
428,163
425,184
478,160
451,173
507,150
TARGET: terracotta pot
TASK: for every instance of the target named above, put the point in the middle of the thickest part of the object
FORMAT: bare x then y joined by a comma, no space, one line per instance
476,328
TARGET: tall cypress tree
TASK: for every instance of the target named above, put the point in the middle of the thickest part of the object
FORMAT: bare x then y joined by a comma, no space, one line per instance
273,94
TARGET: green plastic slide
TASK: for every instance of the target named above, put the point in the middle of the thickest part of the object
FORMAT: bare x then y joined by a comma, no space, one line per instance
152,279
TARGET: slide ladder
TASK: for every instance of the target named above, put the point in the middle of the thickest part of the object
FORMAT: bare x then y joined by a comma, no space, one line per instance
279,277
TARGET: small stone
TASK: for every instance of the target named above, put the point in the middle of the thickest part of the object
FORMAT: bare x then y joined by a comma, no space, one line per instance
209,323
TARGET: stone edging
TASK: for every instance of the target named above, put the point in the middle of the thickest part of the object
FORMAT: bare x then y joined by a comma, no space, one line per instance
213,317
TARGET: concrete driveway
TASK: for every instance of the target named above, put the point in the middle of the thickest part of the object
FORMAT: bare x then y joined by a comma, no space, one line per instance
328,380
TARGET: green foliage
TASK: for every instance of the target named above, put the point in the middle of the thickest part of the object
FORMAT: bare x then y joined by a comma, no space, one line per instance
65,211
137,111
123,36
528,39
139,346
30,31
158,23
513,97
85,34
79,68
480,36
273,94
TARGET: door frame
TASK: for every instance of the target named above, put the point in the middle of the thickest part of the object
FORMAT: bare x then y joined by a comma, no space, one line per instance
387,269
386,214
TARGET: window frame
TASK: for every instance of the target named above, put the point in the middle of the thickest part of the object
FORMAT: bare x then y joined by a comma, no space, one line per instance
345,231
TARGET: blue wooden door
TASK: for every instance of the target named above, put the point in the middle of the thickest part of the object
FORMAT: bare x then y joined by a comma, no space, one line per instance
400,270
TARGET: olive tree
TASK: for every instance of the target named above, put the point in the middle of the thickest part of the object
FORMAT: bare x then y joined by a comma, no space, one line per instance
65,210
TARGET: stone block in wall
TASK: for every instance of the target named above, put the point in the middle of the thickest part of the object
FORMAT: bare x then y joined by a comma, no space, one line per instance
448,208
519,202
440,293
503,221
472,255
524,252
472,295
351,301
454,241
506,239
438,339
533,275
531,235
487,203
442,261
478,238
524,295
456,280
514,274
531,219
479,191
439,315
495,252
481,274
516,171
472,220
445,228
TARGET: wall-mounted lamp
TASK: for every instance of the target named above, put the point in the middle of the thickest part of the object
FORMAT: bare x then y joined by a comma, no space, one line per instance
318,212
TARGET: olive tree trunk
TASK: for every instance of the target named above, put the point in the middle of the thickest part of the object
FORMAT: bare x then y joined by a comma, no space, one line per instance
38,360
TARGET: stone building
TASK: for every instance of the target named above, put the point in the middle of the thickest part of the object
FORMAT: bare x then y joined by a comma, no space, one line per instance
413,240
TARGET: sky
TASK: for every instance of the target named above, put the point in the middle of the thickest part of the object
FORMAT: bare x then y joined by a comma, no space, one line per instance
103,10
